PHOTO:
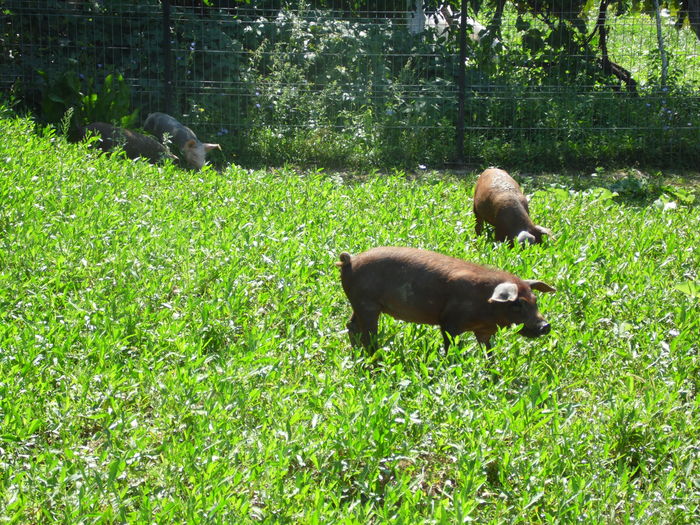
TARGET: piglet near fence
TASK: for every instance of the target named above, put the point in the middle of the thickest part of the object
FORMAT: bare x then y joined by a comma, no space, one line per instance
499,201
135,144
193,150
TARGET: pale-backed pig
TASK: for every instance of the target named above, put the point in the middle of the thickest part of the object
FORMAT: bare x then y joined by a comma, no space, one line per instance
499,201
426,287
193,151
135,144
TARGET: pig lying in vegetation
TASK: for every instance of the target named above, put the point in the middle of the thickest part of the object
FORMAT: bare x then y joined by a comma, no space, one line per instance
499,201
193,151
425,287
135,145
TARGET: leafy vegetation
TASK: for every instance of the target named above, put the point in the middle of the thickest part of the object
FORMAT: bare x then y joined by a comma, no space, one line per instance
71,95
172,348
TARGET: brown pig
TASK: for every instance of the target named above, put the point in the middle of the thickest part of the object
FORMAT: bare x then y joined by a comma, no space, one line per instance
420,286
499,201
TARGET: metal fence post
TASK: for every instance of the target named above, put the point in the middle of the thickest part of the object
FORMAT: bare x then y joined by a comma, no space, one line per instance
660,38
461,81
168,95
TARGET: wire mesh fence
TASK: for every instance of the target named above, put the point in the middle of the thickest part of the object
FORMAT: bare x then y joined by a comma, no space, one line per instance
377,82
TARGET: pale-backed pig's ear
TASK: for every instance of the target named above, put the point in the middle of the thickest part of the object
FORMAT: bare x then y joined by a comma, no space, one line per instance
504,292
525,236
540,286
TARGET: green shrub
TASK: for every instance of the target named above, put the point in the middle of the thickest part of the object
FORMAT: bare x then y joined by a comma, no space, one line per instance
71,92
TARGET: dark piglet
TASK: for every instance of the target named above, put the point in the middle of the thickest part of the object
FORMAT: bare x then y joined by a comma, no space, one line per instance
499,201
421,286
135,144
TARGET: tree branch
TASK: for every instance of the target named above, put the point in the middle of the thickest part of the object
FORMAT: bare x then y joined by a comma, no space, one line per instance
610,67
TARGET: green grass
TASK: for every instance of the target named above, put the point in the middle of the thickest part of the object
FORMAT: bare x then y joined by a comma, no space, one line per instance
172,349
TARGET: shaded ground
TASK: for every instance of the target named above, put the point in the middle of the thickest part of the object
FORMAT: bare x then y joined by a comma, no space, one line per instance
631,184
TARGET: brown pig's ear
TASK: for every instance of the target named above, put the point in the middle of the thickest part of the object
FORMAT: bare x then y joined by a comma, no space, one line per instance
544,231
540,286
504,293
190,144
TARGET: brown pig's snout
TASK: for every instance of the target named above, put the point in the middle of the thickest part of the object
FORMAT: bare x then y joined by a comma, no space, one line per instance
541,328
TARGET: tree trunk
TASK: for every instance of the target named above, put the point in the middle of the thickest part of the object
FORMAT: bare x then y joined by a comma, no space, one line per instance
694,15
610,67
497,20
660,39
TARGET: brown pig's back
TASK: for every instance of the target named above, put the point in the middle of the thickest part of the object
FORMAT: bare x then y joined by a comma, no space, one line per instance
497,193
415,285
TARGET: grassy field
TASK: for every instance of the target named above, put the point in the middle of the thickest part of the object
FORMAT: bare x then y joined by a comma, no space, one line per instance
173,349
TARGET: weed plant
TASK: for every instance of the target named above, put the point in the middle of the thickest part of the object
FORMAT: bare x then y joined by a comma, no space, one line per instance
172,349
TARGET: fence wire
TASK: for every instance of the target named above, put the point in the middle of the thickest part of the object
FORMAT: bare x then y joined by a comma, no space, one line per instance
269,78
